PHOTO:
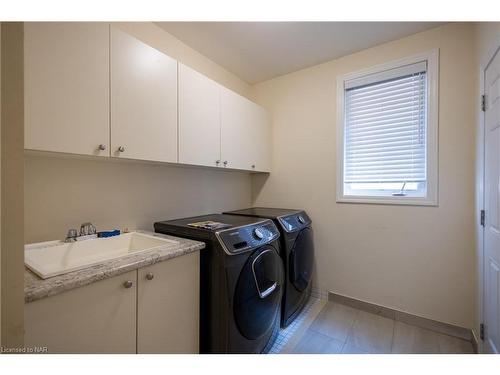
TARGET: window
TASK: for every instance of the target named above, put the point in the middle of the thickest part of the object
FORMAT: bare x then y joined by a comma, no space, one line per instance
387,133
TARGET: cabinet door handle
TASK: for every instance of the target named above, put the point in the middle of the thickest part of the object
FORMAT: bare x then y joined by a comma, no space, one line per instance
225,163
253,166
217,162
102,147
150,276
128,284
121,149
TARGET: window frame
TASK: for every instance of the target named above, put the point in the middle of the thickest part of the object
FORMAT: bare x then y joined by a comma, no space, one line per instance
432,76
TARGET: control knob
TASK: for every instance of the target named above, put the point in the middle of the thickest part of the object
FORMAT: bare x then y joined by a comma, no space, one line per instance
257,232
301,219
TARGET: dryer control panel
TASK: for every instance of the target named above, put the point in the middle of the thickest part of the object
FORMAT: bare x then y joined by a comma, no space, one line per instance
294,222
248,237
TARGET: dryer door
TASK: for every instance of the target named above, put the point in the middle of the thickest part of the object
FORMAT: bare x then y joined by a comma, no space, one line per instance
257,296
301,260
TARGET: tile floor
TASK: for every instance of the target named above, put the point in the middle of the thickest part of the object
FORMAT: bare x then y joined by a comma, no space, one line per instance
342,329
288,334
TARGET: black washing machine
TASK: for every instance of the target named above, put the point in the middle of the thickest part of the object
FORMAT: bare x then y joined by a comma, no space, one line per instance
297,251
241,280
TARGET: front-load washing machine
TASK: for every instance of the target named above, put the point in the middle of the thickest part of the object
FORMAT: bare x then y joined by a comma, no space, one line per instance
297,251
241,280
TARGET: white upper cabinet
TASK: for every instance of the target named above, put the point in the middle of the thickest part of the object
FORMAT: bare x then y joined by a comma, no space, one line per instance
143,100
199,119
245,133
260,129
235,130
92,89
66,67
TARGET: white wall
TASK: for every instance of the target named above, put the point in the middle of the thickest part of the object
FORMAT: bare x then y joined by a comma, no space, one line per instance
415,259
62,193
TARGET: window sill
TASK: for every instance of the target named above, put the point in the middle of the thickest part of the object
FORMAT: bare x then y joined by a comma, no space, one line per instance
389,200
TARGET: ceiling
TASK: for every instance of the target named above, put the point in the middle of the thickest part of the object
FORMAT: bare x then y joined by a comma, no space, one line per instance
258,51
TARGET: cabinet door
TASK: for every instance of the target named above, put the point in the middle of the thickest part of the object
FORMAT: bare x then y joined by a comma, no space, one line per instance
97,318
143,100
236,132
199,118
260,139
168,306
245,133
66,82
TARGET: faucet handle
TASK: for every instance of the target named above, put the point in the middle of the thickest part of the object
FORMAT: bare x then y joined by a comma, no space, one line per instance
86,229
71,236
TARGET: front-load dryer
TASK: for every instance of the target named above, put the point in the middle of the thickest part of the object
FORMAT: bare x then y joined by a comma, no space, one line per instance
297,251
241,280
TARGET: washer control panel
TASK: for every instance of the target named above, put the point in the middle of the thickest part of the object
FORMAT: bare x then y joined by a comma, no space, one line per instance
248,237
294,222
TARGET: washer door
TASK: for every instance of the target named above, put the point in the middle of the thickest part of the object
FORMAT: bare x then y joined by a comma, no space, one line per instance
301,260
257,296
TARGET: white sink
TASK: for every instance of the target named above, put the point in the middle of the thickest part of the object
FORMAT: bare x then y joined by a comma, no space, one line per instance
53,258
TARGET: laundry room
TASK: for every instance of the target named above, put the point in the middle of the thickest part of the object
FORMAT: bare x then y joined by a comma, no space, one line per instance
281,187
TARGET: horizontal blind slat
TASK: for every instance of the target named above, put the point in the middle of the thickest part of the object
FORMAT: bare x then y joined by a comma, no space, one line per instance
393,117
387,159
410,108
402,140
388,133
384,130
356,96
408,104
401,150
408,123
387,75
367,88
373,100
392,91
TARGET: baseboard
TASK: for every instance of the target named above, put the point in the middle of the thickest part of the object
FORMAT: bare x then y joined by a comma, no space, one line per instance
433,325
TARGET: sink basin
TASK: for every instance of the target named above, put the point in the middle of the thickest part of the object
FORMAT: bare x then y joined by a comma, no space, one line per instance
54,258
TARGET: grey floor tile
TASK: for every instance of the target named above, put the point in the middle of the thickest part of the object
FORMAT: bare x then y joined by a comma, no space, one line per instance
409,339
347,330
453,345
316,343
335,320
371,333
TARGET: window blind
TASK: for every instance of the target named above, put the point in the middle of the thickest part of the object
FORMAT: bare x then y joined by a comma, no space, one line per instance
385,126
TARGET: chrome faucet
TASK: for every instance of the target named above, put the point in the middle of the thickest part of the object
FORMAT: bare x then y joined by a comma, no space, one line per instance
86,230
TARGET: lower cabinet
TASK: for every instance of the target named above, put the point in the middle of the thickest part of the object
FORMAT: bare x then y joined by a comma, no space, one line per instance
151,310
97,318
168,306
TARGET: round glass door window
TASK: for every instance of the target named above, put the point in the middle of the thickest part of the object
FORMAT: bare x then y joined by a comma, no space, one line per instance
257,296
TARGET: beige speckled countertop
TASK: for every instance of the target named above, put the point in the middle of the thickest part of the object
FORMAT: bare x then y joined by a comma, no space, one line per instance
36,288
